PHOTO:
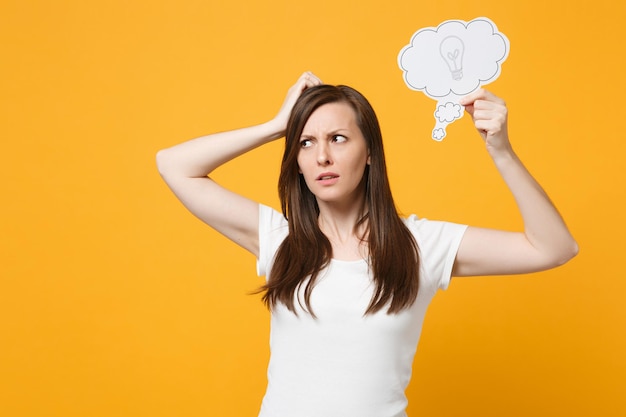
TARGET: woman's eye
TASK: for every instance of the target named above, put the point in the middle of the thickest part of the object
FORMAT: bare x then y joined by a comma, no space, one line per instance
339,138
305,143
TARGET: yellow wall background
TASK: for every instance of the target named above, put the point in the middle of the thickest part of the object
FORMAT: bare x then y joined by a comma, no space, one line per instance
116,302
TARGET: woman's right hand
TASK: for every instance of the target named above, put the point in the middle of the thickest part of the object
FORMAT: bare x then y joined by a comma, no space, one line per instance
185,168
306,80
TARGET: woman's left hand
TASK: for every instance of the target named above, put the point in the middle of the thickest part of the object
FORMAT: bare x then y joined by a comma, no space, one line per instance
545,241
489,114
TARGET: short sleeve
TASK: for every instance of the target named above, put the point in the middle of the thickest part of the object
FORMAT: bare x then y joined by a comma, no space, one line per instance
273,229
438,243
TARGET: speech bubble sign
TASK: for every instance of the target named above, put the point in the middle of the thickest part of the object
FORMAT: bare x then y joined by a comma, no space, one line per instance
450,61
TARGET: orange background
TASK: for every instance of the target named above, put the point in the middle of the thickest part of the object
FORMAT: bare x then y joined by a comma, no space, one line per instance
116,302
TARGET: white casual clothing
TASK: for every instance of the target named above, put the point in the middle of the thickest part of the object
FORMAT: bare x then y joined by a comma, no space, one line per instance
344,363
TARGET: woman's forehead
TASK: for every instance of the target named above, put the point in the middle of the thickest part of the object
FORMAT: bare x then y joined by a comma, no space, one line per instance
331,116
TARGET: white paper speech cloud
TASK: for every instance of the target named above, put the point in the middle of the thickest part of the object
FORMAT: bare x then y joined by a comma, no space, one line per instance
452,60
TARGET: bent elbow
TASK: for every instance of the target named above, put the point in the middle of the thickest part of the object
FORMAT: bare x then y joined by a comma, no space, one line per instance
162,161
568,252
573,249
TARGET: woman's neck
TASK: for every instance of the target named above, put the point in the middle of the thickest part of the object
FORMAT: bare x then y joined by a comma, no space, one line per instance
340,225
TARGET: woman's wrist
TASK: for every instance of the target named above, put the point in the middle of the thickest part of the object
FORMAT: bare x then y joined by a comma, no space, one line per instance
503,154
274,129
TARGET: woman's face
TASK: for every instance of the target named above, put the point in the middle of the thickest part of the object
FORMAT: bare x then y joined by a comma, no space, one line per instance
333,154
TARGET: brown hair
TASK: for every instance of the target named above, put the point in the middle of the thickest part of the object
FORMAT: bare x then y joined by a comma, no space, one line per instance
394,259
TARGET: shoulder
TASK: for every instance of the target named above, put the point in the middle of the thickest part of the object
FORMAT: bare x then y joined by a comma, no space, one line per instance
271,217
273,229
272,224
438,243
429,232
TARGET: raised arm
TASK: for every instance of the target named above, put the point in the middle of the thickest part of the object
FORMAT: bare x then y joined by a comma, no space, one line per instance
545,241
185,169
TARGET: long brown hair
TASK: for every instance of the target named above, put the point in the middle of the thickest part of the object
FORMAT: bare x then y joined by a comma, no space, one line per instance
394,259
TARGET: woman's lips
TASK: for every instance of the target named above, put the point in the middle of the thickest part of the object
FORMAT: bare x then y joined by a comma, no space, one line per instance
328,178
327,175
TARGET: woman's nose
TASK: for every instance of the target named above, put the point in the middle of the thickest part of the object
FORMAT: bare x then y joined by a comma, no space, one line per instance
323,157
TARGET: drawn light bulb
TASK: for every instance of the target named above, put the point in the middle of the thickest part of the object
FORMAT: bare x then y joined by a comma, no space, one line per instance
451,50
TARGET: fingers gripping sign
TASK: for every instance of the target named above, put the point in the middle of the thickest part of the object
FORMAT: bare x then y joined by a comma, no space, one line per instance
489,114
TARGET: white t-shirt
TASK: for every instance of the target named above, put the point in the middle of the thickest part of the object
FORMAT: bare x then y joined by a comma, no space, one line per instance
344,363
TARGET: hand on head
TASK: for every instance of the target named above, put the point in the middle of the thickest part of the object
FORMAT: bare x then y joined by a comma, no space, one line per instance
306,80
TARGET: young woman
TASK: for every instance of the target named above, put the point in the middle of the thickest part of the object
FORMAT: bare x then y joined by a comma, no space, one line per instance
348,280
